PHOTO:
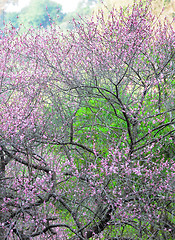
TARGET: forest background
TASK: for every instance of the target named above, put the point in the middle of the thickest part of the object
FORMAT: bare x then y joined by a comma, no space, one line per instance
36,13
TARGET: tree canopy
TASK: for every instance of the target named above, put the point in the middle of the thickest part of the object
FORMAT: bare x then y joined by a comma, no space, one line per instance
87,137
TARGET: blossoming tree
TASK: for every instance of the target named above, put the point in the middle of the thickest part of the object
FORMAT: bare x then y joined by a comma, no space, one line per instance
87,129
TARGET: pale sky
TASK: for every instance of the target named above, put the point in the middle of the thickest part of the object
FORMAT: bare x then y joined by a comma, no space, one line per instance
68,5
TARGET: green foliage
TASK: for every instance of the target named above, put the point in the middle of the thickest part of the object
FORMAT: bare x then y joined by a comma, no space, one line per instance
36,14
96,124
11,17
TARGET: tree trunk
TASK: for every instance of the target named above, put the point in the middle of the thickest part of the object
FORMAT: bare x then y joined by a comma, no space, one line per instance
2,194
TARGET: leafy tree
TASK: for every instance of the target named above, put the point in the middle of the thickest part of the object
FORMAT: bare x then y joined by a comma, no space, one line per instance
86,120
10,17
41,12
36,14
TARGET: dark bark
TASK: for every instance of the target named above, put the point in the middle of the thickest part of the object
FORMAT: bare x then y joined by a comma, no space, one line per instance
97,228
21,235
2,193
